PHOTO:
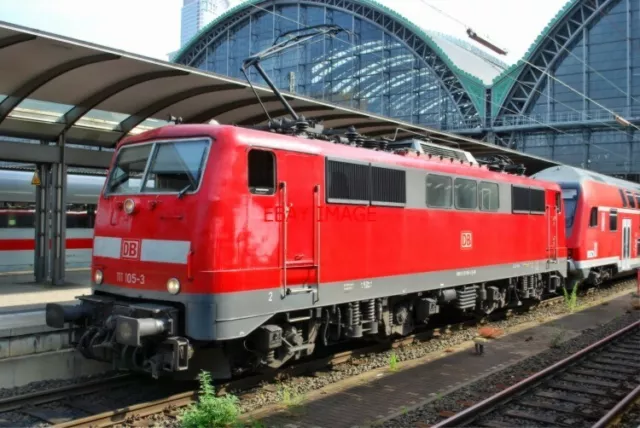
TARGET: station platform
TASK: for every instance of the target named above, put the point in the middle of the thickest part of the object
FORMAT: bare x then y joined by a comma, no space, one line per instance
28,347
19,293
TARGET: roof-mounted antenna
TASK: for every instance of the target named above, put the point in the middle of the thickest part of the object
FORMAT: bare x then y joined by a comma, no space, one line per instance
290,40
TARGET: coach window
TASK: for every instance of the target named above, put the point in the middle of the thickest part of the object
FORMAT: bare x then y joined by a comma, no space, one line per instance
262,172
466,194
489,196
439,191
637,201
624,200
593,217
632,202
613,220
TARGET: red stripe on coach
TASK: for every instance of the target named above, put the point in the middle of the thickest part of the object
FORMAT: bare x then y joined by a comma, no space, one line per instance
30,244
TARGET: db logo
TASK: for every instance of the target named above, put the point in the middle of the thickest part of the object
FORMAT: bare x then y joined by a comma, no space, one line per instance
466,240
130,249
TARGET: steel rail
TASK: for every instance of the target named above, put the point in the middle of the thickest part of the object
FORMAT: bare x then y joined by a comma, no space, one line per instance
471,413
619,409
17,402
118,416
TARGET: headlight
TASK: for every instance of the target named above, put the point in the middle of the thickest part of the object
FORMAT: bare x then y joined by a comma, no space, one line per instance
129,206
173,286
97,277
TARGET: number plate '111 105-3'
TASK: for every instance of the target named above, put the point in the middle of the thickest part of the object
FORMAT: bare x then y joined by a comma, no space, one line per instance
130,278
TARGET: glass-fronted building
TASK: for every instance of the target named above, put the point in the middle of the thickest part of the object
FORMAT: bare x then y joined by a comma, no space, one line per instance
392,66
196,14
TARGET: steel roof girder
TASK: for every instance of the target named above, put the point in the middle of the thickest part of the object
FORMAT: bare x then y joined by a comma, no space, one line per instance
75,114
148,111
586,19
37,153
213,112
252,120
350,7
16,39
33,84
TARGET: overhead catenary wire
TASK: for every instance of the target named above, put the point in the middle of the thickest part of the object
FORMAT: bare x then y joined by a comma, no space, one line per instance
573,137
616,116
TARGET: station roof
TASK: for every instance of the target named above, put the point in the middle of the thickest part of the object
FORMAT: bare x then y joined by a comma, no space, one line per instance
96,96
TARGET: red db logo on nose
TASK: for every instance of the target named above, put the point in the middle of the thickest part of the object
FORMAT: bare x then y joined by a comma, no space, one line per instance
130,249
466,240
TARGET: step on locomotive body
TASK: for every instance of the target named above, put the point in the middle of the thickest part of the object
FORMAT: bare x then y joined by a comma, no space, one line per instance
232,249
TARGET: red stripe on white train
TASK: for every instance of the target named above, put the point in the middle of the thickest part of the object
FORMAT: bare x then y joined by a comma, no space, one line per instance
30,244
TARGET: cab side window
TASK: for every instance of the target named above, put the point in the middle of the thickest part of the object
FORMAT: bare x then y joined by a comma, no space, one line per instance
613,220
262,172
593,218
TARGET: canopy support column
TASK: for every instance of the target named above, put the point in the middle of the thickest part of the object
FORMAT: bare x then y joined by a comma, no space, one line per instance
42,225
58,247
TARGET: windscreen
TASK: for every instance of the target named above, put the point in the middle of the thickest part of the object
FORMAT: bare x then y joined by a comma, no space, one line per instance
570,199
175,167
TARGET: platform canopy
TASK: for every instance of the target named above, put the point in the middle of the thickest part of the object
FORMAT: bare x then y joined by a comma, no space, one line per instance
94,96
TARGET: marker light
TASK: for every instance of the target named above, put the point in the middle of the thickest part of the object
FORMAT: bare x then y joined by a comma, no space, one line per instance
97,277
129,206
173,286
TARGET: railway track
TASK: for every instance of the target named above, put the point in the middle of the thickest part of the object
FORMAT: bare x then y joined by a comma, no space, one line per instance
73,406
590,388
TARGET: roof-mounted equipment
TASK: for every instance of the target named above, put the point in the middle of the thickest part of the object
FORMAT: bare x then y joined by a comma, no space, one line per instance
502,163
299,125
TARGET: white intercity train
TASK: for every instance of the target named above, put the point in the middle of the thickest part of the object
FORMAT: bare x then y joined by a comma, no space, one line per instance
17,220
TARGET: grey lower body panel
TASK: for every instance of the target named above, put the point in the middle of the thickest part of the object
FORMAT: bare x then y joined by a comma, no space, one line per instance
227,316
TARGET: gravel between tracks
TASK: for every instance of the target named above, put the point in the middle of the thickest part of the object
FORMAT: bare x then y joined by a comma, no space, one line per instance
438,409
51,384
299,386
266,395
632,418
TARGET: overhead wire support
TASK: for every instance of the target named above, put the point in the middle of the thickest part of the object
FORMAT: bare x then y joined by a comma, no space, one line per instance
484,42
290,41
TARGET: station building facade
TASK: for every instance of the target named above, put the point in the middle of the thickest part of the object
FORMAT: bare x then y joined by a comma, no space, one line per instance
391,66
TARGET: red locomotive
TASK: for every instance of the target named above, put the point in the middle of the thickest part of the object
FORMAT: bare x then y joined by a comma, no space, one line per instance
229,248
190,252
602,223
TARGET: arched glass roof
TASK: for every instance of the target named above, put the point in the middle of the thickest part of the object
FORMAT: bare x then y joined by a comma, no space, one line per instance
412,61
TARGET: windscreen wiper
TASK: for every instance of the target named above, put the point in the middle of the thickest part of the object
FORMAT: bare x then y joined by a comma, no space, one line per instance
183,191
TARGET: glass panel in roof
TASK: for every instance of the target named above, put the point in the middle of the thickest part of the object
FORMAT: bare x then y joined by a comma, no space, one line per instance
147,125
43,111
101,119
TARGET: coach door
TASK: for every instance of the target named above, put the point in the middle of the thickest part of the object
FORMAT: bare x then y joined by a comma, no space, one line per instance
299,179
626,243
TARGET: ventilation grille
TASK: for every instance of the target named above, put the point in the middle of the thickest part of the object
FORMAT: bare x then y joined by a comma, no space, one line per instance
443,151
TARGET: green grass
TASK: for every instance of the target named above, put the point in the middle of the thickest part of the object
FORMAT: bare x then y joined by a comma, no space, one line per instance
211,411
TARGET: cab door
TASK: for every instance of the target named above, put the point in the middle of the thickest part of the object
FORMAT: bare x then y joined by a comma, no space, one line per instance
553,208
300,176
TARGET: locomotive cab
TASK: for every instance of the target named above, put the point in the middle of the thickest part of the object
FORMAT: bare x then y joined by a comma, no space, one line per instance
149,220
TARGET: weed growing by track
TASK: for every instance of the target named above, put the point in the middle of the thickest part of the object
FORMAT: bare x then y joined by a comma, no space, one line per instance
393,362
571,300
211,411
